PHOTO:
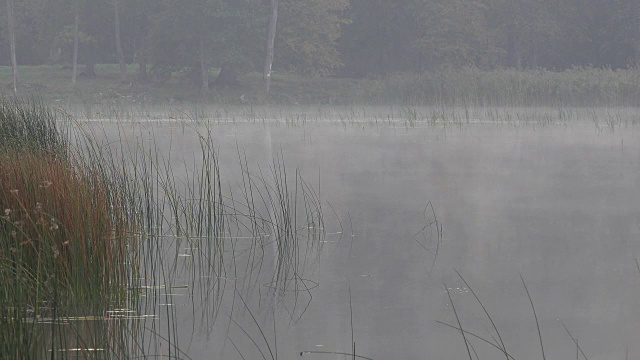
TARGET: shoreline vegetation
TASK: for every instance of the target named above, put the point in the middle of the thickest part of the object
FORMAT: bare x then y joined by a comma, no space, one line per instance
467,86
93,234
65,239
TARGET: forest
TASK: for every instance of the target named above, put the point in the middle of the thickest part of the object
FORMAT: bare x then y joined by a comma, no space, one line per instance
319,38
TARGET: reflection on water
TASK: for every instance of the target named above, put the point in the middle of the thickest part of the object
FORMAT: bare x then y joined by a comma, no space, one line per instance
556,204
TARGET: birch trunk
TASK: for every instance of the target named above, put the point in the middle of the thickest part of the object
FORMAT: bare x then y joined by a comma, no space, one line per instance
123,66
12,44
74,69
271,37
204,68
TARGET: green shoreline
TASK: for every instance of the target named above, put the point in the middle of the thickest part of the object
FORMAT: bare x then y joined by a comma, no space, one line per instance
449,87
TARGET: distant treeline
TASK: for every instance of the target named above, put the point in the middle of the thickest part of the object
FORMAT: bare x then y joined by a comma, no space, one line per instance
353,38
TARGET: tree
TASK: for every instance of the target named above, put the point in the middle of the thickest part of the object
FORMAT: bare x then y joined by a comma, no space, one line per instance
527,27
51,30
96,23
76,37
137,23
271,36
379,37
623,33
12,43
123,65
635,13
194,35
453,33
308,37
181,32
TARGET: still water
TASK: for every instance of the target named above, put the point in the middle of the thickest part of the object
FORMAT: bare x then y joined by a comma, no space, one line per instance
558,205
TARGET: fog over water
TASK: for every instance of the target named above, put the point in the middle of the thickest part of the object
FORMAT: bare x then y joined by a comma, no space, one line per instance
556,204
320,179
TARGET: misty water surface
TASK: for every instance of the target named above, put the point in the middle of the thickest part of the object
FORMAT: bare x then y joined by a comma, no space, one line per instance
557,204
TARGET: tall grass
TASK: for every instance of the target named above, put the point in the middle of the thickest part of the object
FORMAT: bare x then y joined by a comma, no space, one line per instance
30,125
95,231
63,239
60,216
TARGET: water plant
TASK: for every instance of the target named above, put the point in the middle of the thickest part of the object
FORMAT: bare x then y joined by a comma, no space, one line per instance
31,125
94,235
64,240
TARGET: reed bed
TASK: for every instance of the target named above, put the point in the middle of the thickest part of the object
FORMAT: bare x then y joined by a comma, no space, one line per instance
58,216
63,240
398,116
95,231
199,231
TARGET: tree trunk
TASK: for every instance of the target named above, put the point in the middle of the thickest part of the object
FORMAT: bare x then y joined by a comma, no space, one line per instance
12,44
90,67
141,54
517,53
76,24
514,50
635,10
226,78
123,66
204,68
533,57
271,37
514,37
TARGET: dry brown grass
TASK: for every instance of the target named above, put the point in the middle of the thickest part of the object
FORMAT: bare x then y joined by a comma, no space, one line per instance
59,215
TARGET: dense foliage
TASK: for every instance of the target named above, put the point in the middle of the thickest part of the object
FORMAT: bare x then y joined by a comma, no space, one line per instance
325,37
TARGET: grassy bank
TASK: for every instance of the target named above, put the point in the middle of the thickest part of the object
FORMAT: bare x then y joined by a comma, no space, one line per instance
460,87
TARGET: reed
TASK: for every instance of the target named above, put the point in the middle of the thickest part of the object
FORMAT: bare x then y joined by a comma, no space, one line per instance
59,216
31,125
64,241
92,226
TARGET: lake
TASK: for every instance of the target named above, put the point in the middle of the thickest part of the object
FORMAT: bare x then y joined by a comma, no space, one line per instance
408,198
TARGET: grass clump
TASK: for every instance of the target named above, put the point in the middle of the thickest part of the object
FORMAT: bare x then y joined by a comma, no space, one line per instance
30,126
57,216
63,238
